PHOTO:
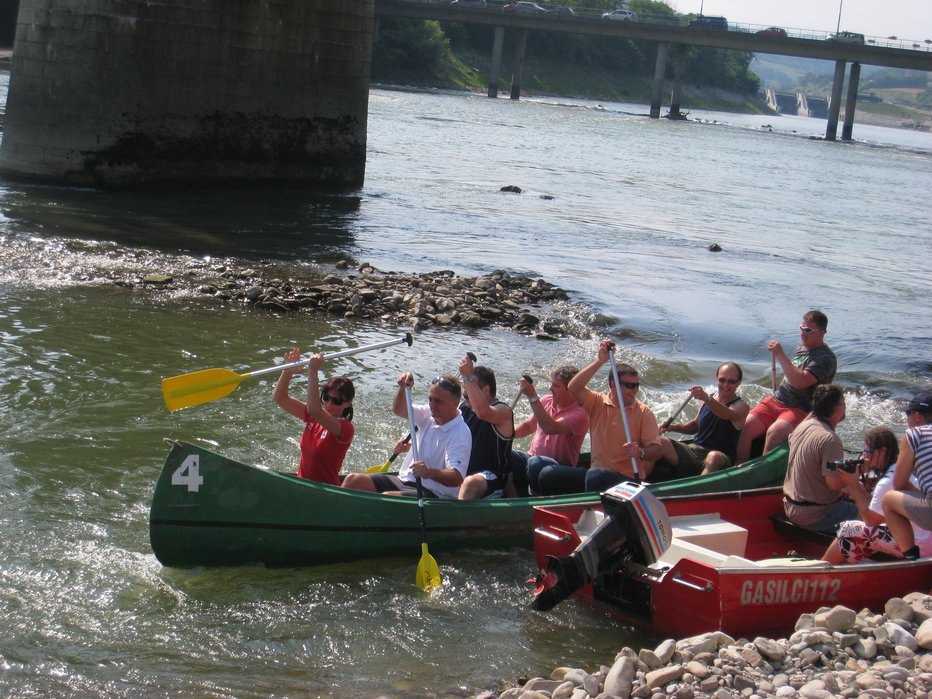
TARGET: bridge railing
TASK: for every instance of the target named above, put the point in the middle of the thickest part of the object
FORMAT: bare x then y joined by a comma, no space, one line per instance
588,13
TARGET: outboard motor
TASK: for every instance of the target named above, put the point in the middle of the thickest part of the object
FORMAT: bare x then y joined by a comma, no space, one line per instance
636,529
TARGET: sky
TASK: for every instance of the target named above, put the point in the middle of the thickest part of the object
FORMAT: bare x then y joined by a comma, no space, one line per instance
906,19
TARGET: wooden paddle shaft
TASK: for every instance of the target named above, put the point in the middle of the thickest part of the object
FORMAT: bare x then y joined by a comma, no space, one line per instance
669,420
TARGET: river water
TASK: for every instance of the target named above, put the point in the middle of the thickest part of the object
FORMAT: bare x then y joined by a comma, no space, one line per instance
635,203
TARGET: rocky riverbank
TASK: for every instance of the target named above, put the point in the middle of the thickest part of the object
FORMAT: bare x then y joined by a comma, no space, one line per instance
833,652
429,299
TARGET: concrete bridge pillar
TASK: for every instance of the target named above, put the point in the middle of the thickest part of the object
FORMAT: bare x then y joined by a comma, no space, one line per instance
121,93
520,50
834,107
679,67
495,71
851,101
660,68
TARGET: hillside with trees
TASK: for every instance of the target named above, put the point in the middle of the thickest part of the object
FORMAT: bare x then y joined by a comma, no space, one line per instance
453,55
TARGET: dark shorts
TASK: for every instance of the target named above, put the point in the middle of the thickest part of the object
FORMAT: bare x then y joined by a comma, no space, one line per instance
494,484
385,483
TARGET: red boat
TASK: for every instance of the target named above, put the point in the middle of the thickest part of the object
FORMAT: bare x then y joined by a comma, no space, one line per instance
733,563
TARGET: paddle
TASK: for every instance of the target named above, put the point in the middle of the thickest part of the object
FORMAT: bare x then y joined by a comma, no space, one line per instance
669,421
211,384
773,373
519,394
427,576
382,468
621,407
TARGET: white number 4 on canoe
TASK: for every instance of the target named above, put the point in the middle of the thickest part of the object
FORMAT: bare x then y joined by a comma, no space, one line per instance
189,474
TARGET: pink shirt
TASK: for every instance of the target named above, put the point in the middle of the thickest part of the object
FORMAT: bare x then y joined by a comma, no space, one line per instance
563,448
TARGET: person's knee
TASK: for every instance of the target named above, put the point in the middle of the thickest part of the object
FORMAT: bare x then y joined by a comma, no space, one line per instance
472,488
714,461
893,502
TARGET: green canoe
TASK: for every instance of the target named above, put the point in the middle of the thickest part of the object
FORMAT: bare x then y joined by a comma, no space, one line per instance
208,510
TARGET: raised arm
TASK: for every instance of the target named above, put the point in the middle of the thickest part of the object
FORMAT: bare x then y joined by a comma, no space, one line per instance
578,385
400,404
797,378
499,415
280,393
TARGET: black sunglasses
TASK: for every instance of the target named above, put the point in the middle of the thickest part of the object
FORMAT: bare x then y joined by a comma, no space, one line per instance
327,398
446,385
630,384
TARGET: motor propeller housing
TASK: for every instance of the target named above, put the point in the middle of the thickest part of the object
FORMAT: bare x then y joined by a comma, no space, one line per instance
636,529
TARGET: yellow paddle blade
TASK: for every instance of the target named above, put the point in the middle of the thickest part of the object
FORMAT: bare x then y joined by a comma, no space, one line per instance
428,573
199,387
381,468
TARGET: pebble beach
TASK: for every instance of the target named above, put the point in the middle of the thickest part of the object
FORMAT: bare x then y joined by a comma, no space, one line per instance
833,652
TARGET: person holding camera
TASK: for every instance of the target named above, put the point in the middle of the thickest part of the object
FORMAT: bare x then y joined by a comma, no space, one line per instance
812,489
863,538
911,504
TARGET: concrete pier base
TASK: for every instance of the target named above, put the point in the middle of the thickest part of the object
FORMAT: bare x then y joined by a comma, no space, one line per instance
851,101
121,93
679,67
520,50
495,71
834,107
660,67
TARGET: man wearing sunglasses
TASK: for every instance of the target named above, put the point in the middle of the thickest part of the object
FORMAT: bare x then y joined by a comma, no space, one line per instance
716,427
611,451
813,363
443,442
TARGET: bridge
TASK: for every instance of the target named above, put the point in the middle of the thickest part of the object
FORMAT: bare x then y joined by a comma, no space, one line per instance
122,93
875,51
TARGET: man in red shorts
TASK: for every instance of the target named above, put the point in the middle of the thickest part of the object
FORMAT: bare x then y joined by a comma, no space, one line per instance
812,363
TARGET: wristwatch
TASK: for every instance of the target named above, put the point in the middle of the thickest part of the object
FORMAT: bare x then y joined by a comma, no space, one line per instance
469,379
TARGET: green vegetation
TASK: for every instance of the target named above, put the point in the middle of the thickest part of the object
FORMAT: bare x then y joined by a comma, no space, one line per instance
430,53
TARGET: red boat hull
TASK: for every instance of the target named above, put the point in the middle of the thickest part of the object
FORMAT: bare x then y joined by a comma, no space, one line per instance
766,592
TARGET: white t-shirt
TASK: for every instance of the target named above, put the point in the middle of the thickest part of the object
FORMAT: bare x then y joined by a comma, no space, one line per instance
923,537
439,446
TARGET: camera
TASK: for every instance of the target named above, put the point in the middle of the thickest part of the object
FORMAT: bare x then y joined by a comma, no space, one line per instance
849,465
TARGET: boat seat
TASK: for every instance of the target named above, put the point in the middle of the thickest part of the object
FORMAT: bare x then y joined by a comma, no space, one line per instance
784,526
793,562
711,532
680,548
588,521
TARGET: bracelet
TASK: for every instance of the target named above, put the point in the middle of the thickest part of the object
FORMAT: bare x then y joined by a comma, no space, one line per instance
535,399
469,379
642,453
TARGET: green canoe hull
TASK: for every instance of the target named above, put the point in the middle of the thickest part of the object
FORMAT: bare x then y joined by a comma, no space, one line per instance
208,510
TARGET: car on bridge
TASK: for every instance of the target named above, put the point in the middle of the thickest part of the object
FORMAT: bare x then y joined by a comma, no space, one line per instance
847,38
772,31
561,11
709,22
528,7
621,16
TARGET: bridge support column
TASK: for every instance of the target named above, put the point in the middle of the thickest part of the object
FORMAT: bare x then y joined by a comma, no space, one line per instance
520,46
660,67
831,129
679,66
495,71
121,93
854,77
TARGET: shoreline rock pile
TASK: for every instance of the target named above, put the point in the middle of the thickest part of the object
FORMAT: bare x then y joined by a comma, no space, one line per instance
430,299
834,652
